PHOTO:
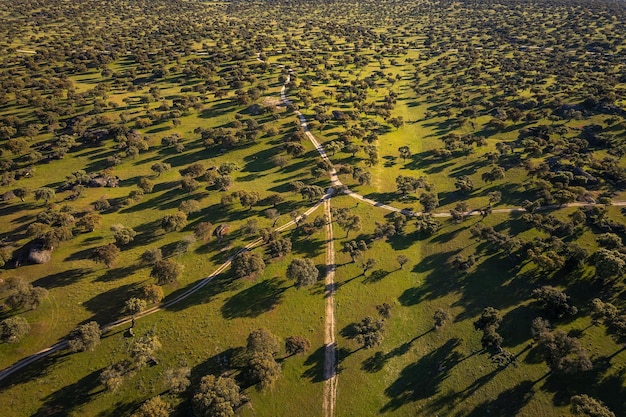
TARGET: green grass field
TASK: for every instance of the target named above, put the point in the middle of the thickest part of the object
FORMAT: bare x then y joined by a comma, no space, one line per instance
470,99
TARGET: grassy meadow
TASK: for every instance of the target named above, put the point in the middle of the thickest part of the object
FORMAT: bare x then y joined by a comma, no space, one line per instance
538,101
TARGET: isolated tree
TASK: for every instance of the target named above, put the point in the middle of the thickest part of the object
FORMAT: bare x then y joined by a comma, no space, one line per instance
440,318
174,222
384,310
153,407
279,247
21,193
150,256
586,406
272,214
85,337
203,230
134,306
194,170
369,332
355,248
123,235
217,397
189,185
554,301
249,199
402,260
106,254
247,264
152,293
177,379
143,349
297,344
262,340
350,223
160,167
368,264
494,197
45,193
166,271
112,377
145,185
89,221
12,329
303,271
405,152
491,338
190,206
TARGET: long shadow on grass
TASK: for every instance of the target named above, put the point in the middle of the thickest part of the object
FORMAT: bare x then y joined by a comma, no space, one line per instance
219,284
33,371
376,362
62,279
438,282
515,326
498,275
107,306
508,403
114,274
120,408
66,399
422,379
564,386
254,301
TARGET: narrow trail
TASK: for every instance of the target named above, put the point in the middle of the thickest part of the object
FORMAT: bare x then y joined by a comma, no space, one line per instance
330,353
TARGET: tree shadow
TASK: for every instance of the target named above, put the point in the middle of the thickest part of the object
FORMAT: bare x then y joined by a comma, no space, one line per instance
377,362
219,284
437,283
509,403
107,306
62,279
376,276
254,301
33,371
80,255
120,409
315,365
422,379
63,401
512,327
113,274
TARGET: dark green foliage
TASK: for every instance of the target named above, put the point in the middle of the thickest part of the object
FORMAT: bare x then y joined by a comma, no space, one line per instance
217,397
369,332
584,405
303,271
106,254
12,329
166,271
297,344
85,337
